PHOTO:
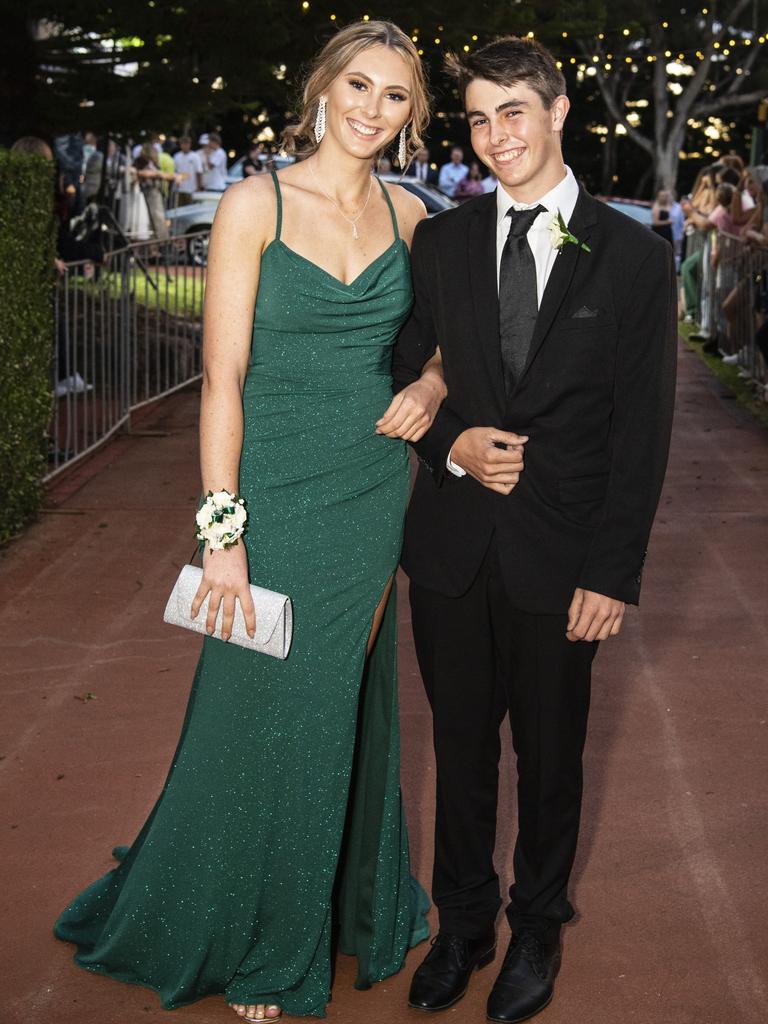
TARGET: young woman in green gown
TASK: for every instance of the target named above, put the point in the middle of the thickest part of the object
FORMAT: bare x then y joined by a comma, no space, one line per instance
281,817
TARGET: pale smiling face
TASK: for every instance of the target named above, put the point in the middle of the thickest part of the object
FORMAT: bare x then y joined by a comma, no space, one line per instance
516,136
369,102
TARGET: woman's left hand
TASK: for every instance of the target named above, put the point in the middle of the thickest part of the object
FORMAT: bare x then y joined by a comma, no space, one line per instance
412,410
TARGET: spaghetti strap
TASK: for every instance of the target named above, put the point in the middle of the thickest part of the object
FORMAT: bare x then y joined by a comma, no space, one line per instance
279,224
391,207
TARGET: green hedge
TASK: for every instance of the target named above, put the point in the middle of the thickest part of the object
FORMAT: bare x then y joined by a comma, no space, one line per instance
26,333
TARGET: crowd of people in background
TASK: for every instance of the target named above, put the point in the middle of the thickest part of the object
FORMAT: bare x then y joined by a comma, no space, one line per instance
460,181
139,181
128,189
724,258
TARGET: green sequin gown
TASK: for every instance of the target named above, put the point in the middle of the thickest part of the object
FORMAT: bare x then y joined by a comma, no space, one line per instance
281,816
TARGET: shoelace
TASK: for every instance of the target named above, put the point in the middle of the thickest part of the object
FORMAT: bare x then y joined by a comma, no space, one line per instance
530,948
454,943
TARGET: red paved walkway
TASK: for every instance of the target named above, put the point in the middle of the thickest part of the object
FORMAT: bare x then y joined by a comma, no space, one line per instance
672,874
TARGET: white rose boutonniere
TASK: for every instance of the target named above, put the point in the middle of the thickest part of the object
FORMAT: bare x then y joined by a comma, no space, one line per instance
561,235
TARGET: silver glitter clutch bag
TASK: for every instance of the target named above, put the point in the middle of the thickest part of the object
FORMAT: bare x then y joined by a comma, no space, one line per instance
274,615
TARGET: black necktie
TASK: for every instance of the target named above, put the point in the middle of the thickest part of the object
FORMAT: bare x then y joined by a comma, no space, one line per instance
518,300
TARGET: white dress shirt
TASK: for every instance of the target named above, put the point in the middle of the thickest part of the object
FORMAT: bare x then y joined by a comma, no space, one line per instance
214,169
450,176
421,169
563,198
189,164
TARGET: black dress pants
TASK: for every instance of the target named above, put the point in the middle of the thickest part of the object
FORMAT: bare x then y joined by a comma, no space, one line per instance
480,658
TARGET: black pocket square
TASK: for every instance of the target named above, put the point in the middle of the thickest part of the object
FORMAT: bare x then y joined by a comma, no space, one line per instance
584,311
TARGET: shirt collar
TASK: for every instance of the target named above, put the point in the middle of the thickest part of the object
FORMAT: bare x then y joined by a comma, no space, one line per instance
563,196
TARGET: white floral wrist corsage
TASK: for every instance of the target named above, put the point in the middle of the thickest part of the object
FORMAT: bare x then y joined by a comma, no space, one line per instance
221,520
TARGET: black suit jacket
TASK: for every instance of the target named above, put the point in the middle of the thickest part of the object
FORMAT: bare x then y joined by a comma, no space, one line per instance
432,173
595,399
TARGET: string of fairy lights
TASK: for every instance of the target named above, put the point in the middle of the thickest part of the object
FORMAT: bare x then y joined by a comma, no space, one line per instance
729,51
609,60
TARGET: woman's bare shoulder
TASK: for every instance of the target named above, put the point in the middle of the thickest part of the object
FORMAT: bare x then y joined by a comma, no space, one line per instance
405,200
408,208
248,208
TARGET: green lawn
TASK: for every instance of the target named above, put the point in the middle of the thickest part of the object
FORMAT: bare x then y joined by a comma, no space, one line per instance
177,292
728,376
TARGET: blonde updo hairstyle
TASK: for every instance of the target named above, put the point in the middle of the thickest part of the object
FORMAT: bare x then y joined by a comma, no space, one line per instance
340,50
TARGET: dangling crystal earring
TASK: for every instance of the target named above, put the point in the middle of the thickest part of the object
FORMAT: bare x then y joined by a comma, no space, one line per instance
401,149
320,120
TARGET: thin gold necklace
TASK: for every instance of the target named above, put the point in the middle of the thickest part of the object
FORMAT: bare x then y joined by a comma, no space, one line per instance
341,213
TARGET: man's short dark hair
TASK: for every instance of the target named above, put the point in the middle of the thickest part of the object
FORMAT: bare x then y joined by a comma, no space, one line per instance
730,176
507,61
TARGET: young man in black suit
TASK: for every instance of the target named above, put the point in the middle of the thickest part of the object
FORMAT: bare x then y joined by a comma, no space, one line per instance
421,168
556,319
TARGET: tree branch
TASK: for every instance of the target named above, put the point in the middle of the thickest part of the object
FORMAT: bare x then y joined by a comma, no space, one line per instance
736,10
614,108
693,90
728,102
659,84
739,80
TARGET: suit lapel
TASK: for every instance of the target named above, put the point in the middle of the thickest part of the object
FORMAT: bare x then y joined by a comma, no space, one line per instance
582,220
481,251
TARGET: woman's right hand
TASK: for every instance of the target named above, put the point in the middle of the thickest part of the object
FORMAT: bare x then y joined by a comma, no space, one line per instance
225,578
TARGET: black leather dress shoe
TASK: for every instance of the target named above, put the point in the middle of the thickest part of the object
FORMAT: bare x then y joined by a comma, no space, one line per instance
443,977
526,981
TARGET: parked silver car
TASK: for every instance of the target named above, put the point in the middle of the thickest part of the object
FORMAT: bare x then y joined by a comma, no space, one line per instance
637,209
235,172
194,220
434,200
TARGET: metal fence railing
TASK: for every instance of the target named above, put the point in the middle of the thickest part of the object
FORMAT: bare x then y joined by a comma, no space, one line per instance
128,332
741,302
725,282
